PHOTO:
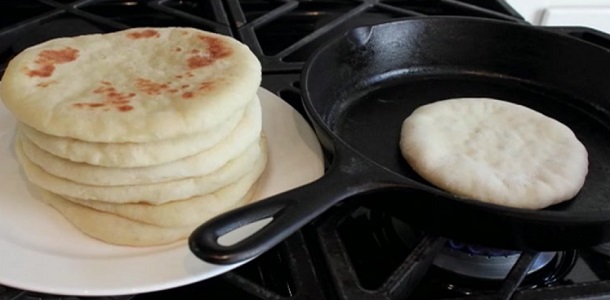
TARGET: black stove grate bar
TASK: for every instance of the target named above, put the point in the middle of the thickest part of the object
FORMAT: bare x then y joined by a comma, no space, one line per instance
75,4
246,30
276,62
583,291
405,279
516,275
299,262
483,12
325,29
507,9
95,18
221,25
406,12
589,35
7,293
399,284
9,35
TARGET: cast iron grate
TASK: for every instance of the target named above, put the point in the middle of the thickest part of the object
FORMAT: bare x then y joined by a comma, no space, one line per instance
284,33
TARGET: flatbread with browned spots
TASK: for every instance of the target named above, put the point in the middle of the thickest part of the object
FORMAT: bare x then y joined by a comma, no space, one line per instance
136,85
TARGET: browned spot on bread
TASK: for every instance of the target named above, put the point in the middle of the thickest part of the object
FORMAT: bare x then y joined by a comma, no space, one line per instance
178,49
57,56
42,71
111,98
179,76
173,91
202,86
47,59
216,49
45,84
195,62
90,105
206,85
125,108
150,87
148,33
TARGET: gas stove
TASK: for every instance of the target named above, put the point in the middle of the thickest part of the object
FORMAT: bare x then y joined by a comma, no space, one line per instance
358,249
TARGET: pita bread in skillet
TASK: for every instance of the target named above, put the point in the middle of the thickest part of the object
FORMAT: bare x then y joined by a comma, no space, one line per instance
152,193
238,141
136,85
494,151
131,155
192,211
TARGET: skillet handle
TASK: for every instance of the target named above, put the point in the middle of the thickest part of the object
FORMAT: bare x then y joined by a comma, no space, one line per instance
290,211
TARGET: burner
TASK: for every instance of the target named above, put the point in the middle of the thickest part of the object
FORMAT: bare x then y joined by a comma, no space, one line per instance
483,262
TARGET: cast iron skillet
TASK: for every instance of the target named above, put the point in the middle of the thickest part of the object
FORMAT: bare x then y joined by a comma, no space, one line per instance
358,89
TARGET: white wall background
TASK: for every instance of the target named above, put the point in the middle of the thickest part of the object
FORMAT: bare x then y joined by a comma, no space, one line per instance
588,13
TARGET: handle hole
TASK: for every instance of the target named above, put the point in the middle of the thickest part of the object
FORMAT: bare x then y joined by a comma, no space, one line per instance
242,232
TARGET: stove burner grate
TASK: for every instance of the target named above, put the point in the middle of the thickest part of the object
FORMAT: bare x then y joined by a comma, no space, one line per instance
283,34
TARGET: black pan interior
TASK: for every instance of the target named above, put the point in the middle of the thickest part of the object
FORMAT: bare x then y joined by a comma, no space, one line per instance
368,82
359,124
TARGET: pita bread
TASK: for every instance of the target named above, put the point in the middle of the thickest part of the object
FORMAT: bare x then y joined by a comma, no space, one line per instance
131,155
187,212
238,141
153,193
494,151
166,83
111,228
150,225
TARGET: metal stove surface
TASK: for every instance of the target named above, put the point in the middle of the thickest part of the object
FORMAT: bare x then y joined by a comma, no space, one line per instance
356,250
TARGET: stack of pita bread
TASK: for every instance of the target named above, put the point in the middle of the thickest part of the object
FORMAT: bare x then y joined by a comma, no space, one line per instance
138,136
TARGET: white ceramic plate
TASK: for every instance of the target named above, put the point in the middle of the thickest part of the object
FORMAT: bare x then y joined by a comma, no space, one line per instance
41,251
